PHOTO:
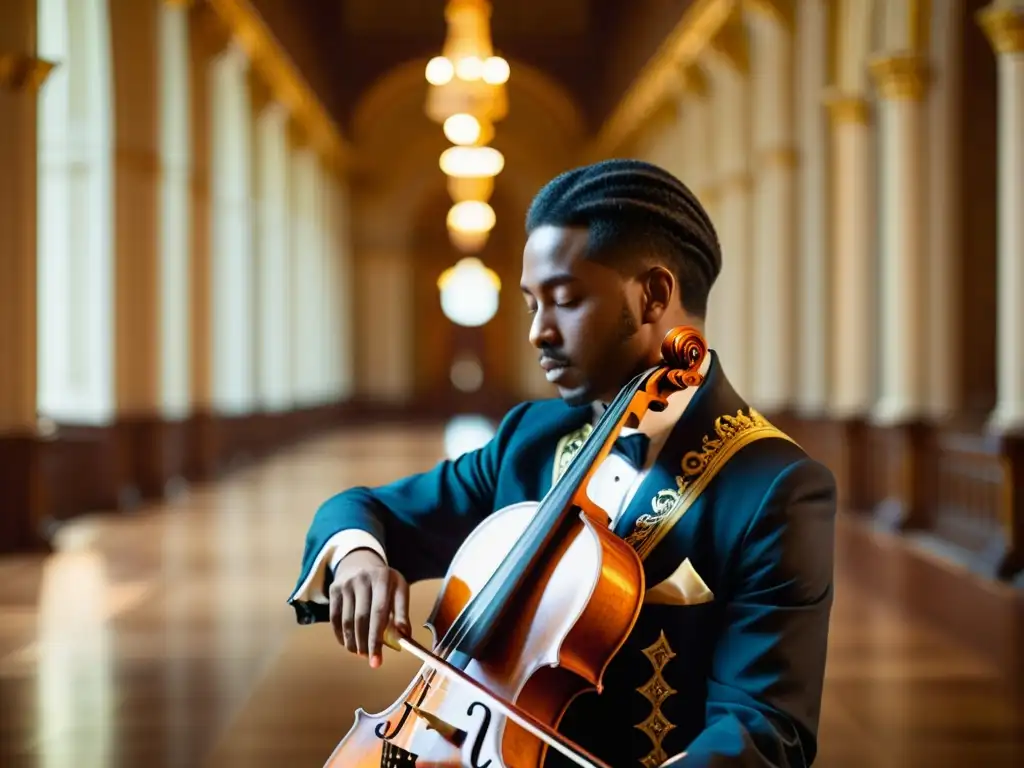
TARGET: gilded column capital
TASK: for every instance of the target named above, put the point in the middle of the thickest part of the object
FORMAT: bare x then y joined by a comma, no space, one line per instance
900,76
778,157
847,107
20,71
782,11
1003,26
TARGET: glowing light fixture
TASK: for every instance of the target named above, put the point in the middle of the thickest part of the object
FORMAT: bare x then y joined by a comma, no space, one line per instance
467,77
471,216
466,130
472,162
495,71
469,292
439,71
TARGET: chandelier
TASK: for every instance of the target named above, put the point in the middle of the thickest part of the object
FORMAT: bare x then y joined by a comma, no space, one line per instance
467,96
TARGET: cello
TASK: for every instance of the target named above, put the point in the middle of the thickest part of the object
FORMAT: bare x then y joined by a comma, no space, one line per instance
536,602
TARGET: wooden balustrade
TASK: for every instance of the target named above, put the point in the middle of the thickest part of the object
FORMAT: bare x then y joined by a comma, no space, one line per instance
959,487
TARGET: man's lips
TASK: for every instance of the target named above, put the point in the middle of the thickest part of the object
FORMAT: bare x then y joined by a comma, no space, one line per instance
550,364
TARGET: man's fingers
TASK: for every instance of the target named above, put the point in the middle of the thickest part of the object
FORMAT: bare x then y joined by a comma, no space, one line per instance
363,597
401,604
335,613
380,609
348,610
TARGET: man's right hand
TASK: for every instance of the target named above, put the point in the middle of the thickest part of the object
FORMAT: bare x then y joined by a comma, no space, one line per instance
363,595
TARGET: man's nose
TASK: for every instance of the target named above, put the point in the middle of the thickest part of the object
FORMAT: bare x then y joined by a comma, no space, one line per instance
543,331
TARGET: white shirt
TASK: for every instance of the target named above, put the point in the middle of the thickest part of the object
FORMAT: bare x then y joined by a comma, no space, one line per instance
612,488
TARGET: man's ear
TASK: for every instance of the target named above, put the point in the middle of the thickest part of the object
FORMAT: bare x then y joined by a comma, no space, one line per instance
659,284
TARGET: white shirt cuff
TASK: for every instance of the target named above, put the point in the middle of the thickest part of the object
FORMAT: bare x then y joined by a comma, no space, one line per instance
337,547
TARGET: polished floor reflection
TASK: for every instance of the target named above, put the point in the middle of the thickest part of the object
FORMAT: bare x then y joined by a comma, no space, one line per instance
162,638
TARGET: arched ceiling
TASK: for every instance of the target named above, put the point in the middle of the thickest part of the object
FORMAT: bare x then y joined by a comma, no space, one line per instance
591,48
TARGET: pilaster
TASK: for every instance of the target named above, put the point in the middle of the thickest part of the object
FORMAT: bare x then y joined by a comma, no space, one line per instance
1003,23
22,74
901,83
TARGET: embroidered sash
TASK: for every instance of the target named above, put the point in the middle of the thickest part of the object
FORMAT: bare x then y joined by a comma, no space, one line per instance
698,468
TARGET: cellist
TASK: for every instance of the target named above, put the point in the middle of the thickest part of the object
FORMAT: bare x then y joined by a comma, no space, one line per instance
732,520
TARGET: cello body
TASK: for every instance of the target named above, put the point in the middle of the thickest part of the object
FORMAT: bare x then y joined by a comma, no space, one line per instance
536,603
575,616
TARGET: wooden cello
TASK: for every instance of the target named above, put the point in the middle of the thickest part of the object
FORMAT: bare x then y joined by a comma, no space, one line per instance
535,604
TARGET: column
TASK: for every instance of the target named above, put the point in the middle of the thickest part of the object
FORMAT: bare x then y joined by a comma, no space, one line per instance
303,277
945,330
729,321
135,41
901,84
176,221
346,316
232,260
272,241
75,216
22,74
773,245
697,130
1003,22
813,252
853,331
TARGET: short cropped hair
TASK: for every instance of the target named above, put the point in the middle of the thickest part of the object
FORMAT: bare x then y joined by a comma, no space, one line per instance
636,212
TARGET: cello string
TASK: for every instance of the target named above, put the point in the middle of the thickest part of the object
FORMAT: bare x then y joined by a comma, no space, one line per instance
571,478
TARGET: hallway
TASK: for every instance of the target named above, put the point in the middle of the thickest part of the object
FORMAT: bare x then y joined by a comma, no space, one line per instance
162,638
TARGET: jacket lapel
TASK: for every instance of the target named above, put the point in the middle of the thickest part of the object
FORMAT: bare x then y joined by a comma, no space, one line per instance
659,494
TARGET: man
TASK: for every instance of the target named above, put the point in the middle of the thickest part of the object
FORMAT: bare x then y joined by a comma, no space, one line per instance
726,661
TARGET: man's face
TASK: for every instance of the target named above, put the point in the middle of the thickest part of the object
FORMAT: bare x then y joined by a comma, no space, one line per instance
584,316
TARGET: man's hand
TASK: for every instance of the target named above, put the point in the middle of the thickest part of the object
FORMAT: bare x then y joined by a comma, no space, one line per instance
363,594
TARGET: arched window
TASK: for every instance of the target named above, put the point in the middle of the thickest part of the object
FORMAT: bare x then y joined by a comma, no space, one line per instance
75,219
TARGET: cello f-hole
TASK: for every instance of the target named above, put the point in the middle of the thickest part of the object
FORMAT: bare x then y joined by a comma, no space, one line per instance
474,758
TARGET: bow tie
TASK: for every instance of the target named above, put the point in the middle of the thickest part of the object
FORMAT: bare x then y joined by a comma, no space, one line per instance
633,448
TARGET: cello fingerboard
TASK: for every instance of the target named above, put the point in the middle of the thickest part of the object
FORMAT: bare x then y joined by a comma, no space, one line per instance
396,757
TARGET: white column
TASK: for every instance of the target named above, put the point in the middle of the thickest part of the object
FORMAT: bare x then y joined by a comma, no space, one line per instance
902,288
345,315
231,252
729,313
813,251
773,273
175,207
1004,25
75,215
304,271
272,240
696,132
852,246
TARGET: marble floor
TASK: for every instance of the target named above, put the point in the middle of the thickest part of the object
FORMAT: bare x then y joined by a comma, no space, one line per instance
162,638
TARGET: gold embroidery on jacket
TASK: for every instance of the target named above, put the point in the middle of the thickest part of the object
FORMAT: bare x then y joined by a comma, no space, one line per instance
568,446
699,468
656,726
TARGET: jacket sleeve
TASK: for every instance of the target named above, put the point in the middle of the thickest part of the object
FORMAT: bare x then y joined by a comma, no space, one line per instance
768,667
419,521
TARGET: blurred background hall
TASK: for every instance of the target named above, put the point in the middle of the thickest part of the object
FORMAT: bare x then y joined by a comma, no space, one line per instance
253,252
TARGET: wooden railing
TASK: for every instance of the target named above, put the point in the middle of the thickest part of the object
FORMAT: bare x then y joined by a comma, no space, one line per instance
961,486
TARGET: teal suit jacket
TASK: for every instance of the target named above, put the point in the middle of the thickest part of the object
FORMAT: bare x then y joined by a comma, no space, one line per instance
733,681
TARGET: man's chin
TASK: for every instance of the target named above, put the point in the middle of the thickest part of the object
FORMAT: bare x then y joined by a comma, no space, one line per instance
574,396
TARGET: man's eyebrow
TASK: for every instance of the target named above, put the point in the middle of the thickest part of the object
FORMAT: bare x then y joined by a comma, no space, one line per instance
560,278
